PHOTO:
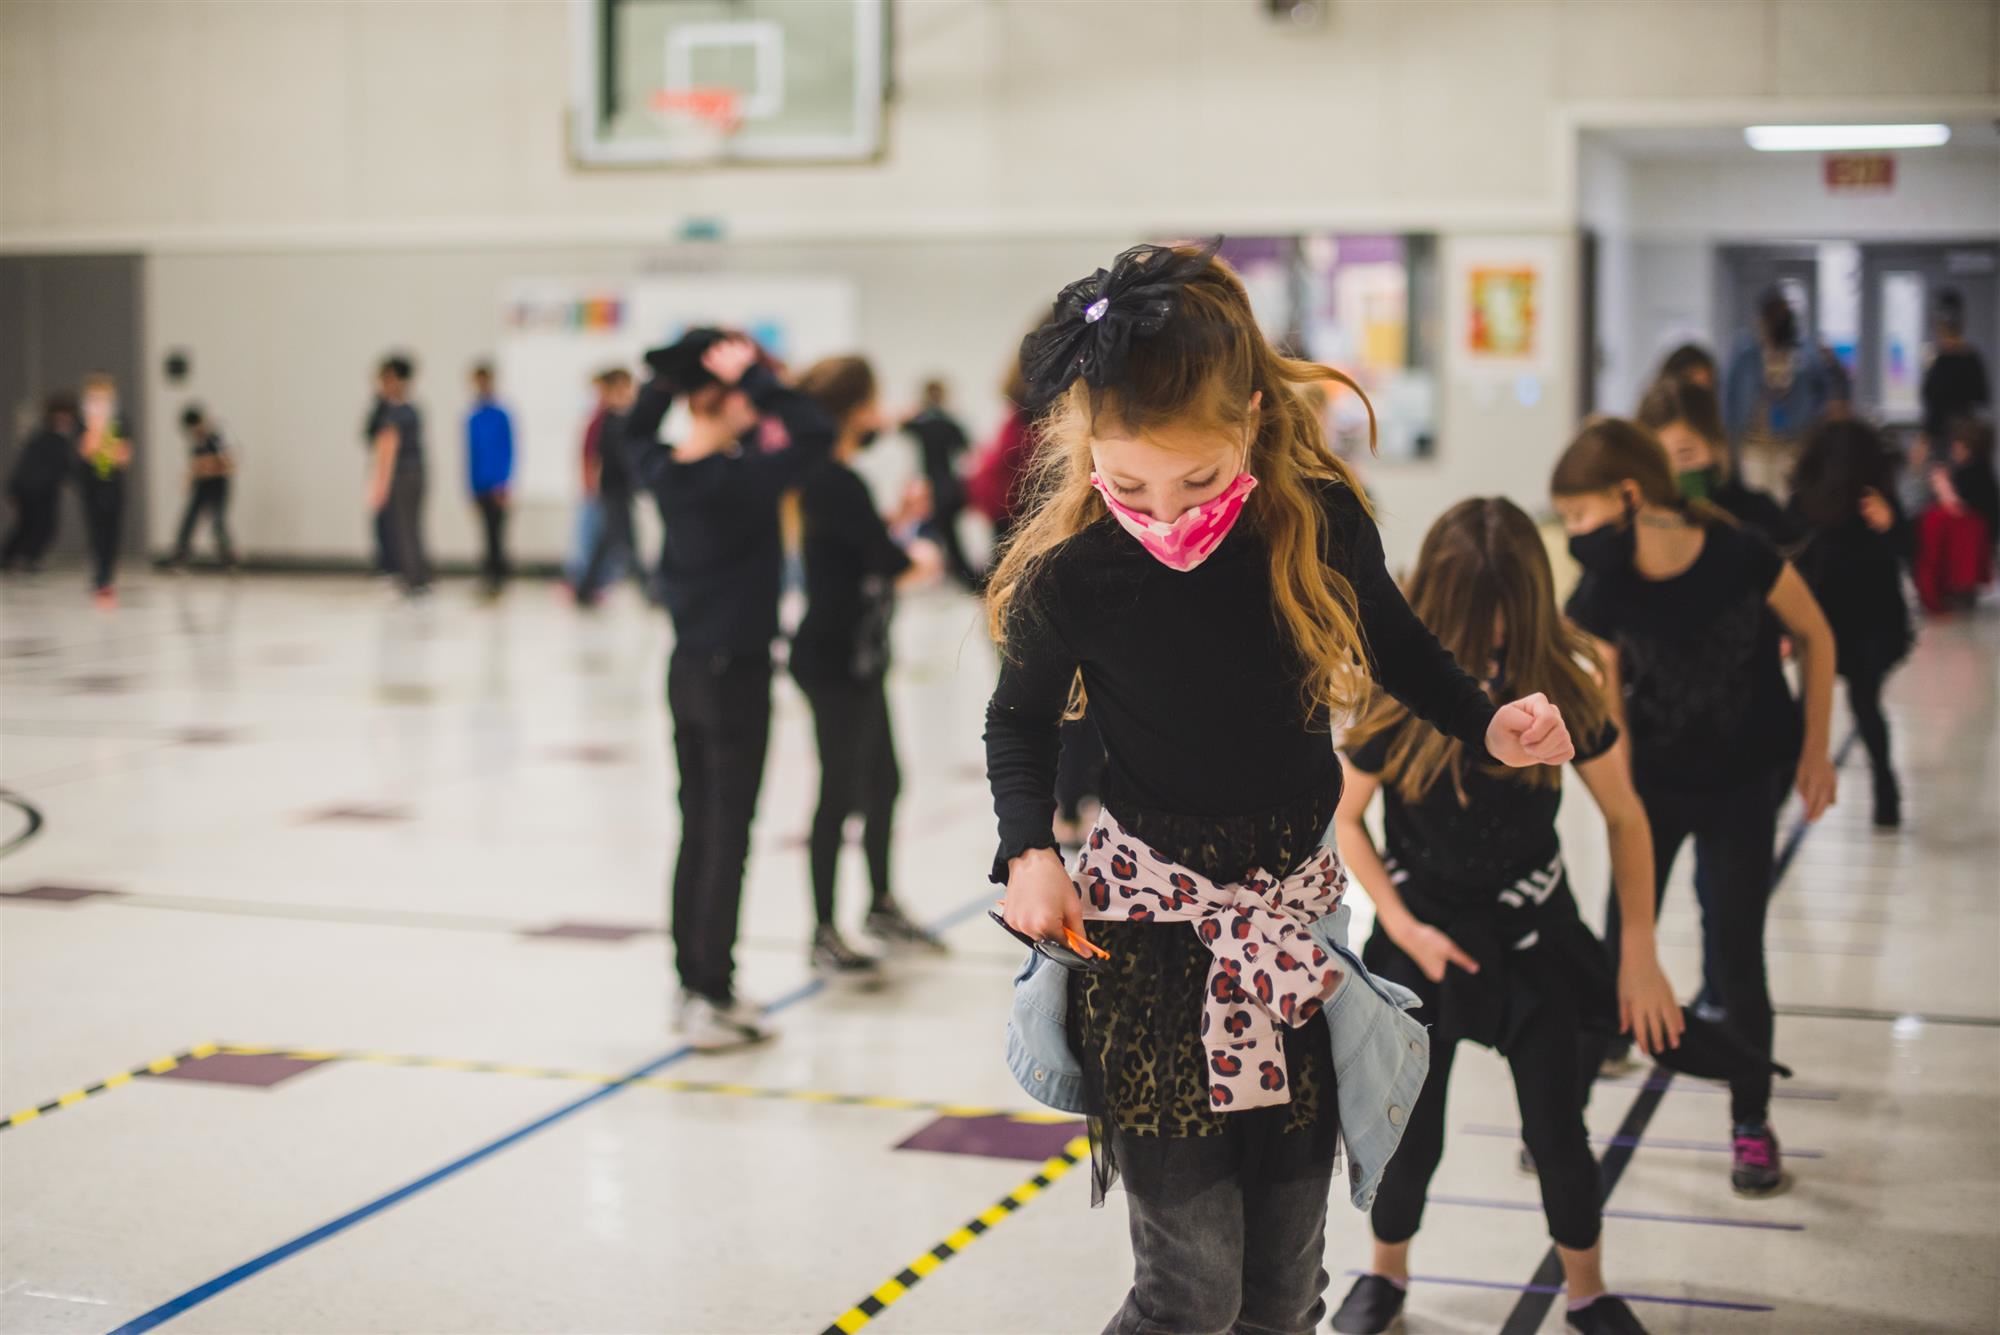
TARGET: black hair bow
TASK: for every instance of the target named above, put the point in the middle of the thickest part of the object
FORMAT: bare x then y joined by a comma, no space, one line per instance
1091,328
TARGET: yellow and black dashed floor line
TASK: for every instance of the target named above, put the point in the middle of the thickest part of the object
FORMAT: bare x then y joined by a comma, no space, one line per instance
159,1066
893,1289
723,1089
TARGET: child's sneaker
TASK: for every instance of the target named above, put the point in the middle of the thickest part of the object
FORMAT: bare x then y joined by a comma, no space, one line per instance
1756,1169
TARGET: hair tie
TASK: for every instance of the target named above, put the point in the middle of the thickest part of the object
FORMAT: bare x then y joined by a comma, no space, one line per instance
1094,320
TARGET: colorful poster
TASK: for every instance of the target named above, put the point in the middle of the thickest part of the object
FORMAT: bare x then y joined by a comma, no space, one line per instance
1505,310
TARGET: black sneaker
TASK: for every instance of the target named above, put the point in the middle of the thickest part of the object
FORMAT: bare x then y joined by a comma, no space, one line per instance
1756,1168
1526,1163
833,958
1371,1307
1605,1315
888,924
1888,804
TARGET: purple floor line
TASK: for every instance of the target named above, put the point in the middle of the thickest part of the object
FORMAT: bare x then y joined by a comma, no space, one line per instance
1651,1216
1689,1085
1644,1142
1714,1304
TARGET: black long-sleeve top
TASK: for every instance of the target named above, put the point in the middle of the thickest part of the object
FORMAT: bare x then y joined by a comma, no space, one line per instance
722,559
1214,758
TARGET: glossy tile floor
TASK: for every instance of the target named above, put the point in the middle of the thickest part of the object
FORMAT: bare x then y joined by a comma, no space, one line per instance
350,915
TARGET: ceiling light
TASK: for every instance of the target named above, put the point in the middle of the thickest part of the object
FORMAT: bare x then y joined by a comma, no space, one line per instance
1839,138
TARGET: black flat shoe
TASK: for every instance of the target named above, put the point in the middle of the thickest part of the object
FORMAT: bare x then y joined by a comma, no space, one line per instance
1370,1308
1605,1315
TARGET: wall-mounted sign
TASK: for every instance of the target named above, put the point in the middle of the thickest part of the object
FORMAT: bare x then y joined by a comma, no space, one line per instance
1860,173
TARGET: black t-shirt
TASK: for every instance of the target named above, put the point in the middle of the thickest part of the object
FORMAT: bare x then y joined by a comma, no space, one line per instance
1759,512
1467,853
1196,691
1953,387
1705,693
409,428
46,458
851,565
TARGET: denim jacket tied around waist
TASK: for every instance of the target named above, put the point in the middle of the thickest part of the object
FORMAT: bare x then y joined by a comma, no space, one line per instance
1381,1054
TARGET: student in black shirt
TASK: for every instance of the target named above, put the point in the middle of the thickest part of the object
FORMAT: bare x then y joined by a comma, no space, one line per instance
1473,906
750,439
1203,575
1843,498
1679,593
209,468
35,485
104,456
396,474
1955,383
840,659
1688,423
941,440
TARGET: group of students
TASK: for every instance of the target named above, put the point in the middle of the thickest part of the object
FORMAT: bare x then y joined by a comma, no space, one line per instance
754,437
1202,576
87,442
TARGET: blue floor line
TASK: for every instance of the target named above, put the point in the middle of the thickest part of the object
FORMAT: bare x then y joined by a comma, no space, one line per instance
229,1279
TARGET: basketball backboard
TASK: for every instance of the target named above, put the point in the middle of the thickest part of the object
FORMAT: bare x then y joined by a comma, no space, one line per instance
697,82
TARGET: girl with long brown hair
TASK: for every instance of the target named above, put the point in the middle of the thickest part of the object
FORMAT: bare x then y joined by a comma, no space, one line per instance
854,566
1473,910
1687,421
1690,607
1201,574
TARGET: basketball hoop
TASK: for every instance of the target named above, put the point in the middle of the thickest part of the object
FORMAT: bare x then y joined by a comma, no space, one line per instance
711,116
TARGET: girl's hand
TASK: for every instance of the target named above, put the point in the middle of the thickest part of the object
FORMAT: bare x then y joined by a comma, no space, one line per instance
729,359
1433,951
1818,785
1041,899
1647,1009
1875,511
1529,731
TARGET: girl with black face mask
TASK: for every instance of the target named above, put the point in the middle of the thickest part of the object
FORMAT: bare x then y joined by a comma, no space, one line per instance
1678,592
854,563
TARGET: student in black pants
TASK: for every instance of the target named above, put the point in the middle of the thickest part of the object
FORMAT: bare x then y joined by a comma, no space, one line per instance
1843,498
209,467
749,440
1473,906
397,474
105,455
35,486
1679,594
840,659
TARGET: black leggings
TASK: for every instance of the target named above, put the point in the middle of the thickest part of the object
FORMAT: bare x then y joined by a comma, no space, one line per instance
103,515
858,776
1864,700
1547,1058
1735,832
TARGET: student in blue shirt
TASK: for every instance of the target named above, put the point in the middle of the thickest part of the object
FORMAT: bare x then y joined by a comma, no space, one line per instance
489,456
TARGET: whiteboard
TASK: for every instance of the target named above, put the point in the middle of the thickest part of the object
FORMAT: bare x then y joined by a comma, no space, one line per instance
558,333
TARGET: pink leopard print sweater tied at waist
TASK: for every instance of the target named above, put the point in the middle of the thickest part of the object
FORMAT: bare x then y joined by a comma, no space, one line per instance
1267,971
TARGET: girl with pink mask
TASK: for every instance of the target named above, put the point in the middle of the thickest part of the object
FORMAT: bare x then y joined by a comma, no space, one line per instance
1202,575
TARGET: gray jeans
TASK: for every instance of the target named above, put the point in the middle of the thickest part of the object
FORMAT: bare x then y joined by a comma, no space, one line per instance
1221,1249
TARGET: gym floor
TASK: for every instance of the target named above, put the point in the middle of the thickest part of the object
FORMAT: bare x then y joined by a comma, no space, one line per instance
334,1000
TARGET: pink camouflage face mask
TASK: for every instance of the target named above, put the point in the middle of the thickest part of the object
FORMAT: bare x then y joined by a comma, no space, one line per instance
1186,542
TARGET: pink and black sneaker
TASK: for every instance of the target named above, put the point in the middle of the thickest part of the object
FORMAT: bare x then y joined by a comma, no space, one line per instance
1756,1169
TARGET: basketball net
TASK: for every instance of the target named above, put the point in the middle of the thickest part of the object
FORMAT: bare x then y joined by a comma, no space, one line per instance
710,118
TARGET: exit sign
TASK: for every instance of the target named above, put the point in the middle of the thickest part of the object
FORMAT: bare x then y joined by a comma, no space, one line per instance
1860,173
